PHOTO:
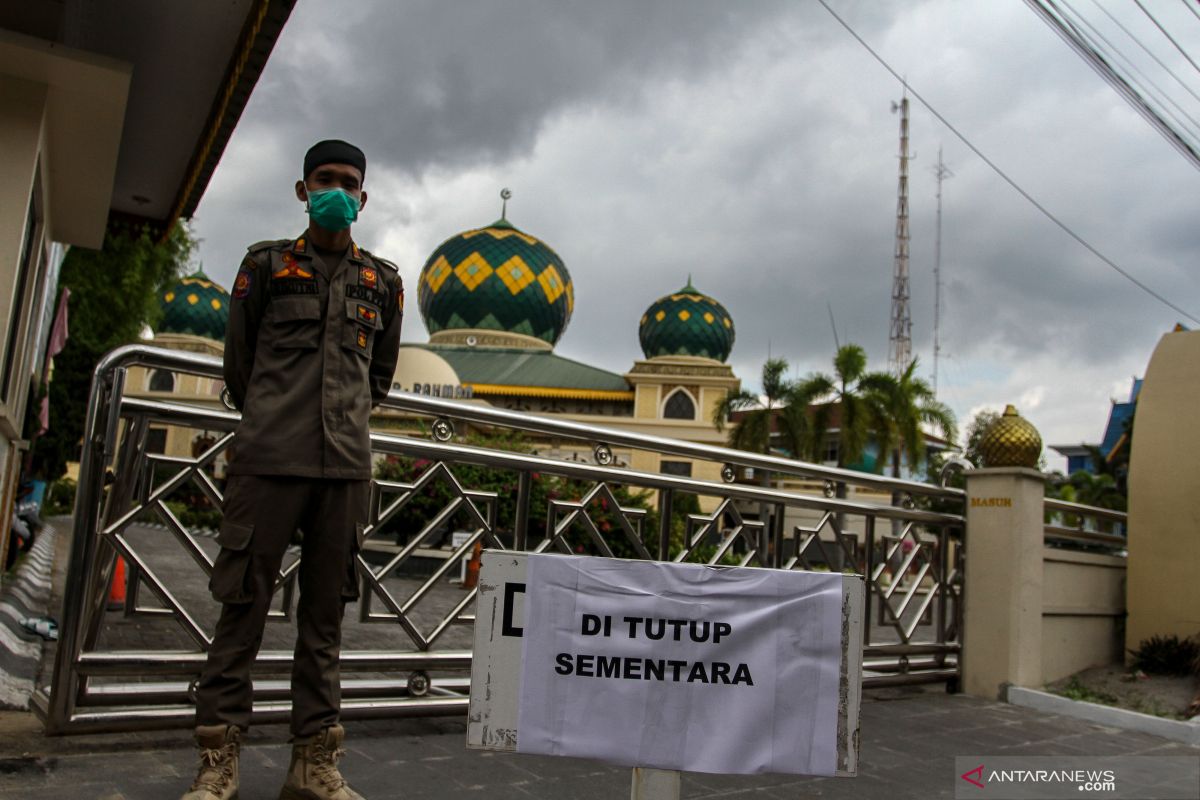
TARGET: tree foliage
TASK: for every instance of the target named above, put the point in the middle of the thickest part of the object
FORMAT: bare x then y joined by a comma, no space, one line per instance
858,398
910,408
865,406
976,428
752,431
114,295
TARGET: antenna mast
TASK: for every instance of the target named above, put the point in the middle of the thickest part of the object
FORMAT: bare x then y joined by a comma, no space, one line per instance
941,171
900,341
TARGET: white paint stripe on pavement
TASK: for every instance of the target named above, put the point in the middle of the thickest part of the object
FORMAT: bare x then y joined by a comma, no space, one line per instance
19,647
15,692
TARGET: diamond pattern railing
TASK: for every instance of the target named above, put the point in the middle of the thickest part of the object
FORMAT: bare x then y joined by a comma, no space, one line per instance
406,646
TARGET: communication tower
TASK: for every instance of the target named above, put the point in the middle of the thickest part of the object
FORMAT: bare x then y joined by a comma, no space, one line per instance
941,171
900,341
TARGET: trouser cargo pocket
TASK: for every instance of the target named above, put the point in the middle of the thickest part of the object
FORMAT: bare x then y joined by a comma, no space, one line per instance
350,583
229,582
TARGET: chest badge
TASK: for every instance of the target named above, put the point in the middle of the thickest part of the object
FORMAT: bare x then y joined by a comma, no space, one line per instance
368,277
361,339
291,268
366,313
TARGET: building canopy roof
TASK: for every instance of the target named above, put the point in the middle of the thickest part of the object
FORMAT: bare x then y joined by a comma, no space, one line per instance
193,69
535,373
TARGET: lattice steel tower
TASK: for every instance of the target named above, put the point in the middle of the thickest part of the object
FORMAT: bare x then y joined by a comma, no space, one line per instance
942,172
900,341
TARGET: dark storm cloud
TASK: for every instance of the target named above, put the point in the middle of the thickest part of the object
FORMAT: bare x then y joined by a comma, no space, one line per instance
751,146
431,82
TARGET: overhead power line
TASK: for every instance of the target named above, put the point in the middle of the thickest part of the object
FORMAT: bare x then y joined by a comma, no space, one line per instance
1188,5
1180,115
1058,22
1147,50
1003,175
1170,38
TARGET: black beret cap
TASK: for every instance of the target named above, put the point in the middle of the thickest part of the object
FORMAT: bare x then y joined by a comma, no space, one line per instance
334,151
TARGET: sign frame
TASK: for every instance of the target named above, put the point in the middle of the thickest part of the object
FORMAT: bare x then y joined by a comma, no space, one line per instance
496,663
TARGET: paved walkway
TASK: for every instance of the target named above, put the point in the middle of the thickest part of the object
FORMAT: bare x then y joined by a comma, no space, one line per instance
909,743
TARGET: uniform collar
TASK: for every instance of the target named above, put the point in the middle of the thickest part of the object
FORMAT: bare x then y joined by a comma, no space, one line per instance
300,247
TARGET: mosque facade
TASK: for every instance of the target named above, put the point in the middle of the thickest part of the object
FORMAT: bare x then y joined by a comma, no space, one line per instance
496,301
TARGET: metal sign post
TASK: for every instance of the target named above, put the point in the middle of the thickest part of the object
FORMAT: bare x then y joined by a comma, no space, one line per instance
614,657
654,784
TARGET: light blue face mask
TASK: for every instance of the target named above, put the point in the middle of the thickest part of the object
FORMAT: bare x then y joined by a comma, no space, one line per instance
332,209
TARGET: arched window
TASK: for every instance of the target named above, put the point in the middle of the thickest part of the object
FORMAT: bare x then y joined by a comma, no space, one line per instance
679,406
162,380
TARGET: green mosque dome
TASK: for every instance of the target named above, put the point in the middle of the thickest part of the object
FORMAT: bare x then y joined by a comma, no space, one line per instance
686,323
197,306
496,278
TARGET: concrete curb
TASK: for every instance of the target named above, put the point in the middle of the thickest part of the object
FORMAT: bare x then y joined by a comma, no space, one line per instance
1176,730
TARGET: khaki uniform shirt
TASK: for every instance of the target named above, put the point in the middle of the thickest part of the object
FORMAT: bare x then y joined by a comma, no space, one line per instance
309,350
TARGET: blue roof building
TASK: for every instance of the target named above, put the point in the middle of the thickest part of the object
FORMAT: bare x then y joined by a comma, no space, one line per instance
1114,441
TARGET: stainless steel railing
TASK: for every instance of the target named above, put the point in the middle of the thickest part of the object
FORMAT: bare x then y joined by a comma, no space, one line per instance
1076,524
406,651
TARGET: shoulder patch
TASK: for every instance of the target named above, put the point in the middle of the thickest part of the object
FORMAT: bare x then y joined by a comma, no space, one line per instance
267,244
245,276
383,262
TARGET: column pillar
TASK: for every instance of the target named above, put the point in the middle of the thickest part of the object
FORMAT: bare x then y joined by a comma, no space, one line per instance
1002,581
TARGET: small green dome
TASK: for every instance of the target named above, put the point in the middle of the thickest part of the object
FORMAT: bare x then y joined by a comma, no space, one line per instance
496,278
686,323
195,305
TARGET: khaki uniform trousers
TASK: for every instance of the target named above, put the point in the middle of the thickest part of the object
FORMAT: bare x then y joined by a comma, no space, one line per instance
261,514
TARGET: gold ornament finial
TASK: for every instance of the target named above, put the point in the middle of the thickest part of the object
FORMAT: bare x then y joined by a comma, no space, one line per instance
1011,441
505,194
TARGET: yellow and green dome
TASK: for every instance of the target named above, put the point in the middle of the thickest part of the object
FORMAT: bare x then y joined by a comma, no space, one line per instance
686,323
496,278
195,305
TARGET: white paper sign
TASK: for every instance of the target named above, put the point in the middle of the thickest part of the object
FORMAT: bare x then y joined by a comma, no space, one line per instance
680,666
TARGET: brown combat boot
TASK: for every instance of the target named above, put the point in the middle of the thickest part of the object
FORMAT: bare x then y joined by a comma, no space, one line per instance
218,776
313,773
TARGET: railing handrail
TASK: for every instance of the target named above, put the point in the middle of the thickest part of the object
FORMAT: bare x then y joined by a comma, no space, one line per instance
1085,536
393,444
149,356
1054,504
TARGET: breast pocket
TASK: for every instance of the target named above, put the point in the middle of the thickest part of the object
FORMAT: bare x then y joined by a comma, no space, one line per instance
363,319
294,323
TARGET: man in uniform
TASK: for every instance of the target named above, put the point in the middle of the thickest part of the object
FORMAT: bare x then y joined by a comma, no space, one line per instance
311,347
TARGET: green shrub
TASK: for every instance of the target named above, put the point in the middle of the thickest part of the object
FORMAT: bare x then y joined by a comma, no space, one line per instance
60,498
1076,690
192,517
1167,655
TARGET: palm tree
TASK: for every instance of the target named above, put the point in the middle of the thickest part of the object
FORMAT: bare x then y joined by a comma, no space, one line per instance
912,406
1100,490
1115,465
859,396
753,431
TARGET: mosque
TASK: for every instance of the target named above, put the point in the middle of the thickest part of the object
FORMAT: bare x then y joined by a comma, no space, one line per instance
496,301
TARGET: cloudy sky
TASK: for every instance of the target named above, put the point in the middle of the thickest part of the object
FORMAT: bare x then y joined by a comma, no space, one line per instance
752,145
